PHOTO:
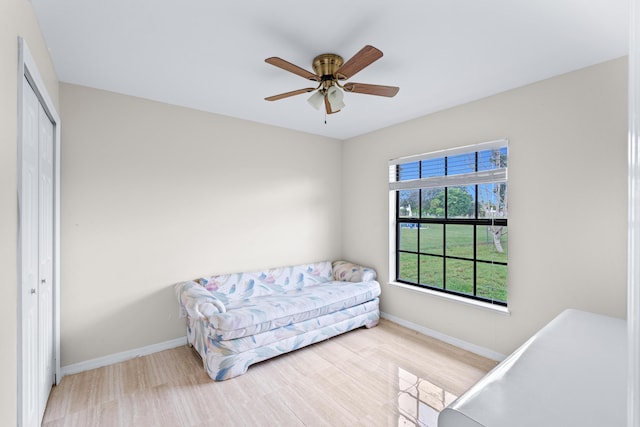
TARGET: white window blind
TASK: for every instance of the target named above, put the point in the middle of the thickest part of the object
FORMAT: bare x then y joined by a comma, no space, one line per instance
450,168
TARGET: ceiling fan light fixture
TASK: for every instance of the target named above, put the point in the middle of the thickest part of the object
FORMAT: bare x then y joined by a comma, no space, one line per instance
335,97
316,100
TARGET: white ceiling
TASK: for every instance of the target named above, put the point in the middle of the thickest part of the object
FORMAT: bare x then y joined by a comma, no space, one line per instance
209,54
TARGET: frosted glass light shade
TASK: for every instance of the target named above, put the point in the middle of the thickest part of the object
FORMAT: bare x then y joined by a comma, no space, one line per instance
316,100
335,96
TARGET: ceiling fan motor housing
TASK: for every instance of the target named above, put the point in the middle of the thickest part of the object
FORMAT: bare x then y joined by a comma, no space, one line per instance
326,65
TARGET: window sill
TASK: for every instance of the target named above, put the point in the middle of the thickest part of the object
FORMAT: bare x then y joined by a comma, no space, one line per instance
462,300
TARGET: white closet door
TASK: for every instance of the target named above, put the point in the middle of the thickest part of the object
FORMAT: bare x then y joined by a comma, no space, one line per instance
45,239
36,251
29,254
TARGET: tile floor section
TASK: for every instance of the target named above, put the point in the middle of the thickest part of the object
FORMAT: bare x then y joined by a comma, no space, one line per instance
384,376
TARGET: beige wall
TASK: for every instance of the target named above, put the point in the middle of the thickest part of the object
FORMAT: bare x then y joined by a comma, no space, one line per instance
16,19
567,202
153,194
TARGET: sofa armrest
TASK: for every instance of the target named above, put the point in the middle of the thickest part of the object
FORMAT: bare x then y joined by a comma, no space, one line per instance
348,272
196,301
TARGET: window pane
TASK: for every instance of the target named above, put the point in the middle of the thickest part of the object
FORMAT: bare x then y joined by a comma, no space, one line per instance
408,268
492,159
461,202
408,207
459,241
432,203
431,268
459,276
431,239
433,167
492,200
407,171
408,237
462,163
491,281
491,243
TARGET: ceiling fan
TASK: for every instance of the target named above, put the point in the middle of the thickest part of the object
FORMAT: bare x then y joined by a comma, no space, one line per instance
330,69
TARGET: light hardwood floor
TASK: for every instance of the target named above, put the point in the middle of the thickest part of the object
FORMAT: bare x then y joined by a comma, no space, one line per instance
384,376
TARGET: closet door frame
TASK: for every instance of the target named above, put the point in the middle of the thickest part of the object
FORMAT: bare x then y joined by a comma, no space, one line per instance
27,69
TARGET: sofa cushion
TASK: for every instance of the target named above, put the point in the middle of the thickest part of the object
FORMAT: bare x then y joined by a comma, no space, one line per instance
232,287
350,272
239,345
256,315
240,286
309,275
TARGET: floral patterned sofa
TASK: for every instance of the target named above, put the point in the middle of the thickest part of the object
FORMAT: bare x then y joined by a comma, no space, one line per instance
236,320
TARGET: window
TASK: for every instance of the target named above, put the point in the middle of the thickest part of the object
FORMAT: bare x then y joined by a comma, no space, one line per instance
450,221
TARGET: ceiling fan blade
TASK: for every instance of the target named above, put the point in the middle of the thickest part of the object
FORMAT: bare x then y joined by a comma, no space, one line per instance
367,89
327,106
292,68
365,57
288,94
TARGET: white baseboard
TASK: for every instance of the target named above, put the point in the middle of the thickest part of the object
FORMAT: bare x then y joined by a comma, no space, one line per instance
154,348
473,348
99,362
